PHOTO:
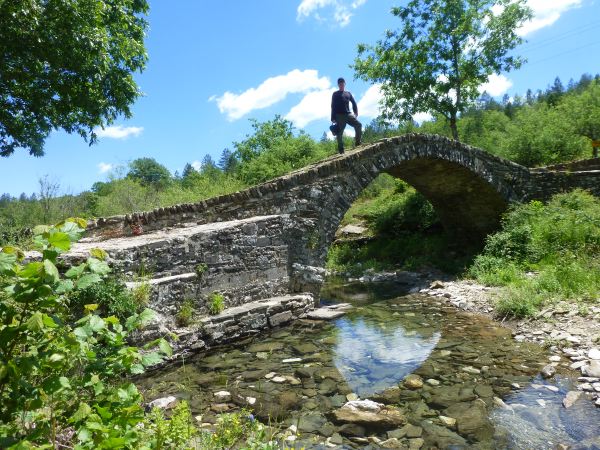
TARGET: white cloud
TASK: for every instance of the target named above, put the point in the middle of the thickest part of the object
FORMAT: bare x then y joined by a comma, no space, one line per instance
496,85
196,165
105,167
340,10
313,106
368,106
546,12
270,91
118,132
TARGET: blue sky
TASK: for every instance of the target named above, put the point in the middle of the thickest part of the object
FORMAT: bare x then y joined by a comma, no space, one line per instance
215,64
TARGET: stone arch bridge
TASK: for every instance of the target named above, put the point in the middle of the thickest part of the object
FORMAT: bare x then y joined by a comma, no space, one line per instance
268,240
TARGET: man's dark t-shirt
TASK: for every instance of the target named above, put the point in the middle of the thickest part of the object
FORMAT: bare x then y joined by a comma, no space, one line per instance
340,104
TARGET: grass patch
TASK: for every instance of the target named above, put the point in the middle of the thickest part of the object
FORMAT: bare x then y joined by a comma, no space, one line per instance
216,303
186,313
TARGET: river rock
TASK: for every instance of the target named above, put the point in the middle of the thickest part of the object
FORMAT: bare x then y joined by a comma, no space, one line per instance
471,419
265,347
442,437
223,396
392,443
416,444
548,371
484,390
391,395
352,429
594,353
219,408
593,369
306,348
253,375
413,381
162,403
449,422
571,398
369,413
444,396
437,284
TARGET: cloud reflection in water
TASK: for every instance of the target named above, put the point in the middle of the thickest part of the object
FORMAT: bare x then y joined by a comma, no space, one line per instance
372,358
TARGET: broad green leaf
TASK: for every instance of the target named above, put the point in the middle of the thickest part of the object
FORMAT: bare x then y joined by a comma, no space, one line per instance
64,382
72,230
75,272
44,291
83,332
146,316
82,412
91,307
7,261
97,266
87,280
105,413
96,323
98,253
60,241
81,223
35,322
40,229
150,359
11,250
165,347
32,270
51,272
137,369
49,321
65,286
56,357
114,442
50,255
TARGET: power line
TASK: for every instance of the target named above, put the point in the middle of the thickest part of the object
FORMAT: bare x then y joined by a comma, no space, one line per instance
566,52
555,39
569,33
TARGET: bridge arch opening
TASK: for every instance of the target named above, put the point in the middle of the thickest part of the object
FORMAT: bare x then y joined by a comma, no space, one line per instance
468,208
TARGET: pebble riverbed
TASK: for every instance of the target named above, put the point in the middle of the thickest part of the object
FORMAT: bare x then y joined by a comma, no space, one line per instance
398,370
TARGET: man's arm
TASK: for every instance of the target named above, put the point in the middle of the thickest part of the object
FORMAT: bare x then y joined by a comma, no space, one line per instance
332,113
354,105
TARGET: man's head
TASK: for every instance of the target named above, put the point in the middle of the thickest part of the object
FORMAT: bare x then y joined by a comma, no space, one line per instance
341,83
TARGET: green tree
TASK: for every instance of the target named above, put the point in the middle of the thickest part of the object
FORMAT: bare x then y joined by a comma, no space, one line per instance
66,64
444,50
149,172
266,135
583,112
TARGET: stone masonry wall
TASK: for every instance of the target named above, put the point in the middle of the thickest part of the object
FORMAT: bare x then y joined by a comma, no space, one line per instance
245,260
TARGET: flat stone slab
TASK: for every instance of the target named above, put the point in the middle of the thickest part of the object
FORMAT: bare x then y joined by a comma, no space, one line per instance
329,312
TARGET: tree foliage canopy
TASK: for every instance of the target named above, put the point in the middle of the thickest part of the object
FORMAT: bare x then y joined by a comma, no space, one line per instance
66,64
443,51
149,172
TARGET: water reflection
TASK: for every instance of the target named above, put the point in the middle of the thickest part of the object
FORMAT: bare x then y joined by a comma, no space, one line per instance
372,359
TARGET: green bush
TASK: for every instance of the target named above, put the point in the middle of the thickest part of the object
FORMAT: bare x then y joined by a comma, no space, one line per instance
62,377
112,297
544,253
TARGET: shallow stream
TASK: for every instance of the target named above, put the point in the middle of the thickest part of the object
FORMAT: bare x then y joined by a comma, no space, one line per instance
472,385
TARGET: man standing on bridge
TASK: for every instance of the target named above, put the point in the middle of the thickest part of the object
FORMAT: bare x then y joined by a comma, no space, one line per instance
341,114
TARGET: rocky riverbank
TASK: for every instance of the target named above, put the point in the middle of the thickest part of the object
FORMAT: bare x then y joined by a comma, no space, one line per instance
569,330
